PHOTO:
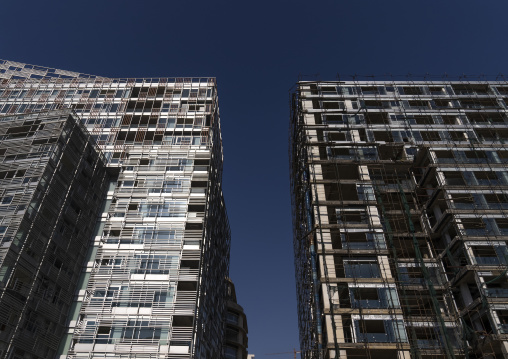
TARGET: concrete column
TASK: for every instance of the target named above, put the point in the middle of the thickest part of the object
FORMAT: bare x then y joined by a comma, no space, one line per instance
403,354
384,266
466,294
307,105
504,349
375,220
318,172
326,238
326,296
330,266
355,136
329,329
364,173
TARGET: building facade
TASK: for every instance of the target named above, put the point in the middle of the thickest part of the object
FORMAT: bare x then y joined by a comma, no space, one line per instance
236,327
153,284
48,210
400,216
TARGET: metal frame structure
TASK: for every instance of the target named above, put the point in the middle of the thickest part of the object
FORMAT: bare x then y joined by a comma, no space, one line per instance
399,214
154,282
48,213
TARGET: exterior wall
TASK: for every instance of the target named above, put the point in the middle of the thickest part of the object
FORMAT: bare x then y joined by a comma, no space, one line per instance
52,184
236,327
375,219
154,281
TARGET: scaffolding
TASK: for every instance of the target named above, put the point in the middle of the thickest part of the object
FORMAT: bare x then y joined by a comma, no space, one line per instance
400,196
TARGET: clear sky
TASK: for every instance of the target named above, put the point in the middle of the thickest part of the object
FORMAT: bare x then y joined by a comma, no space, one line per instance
257,50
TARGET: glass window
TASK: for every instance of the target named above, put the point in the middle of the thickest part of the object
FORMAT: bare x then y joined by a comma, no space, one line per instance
380,331
232,318
362,268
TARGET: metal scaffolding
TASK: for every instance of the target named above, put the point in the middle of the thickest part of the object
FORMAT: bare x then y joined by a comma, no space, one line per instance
399,196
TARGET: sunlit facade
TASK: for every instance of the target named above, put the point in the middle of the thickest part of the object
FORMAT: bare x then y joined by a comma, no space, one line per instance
153,284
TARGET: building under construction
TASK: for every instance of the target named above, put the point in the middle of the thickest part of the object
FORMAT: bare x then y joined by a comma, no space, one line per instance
400,217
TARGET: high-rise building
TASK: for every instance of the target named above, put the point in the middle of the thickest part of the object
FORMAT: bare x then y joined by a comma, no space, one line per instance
236,327
153,281
53,182
400,215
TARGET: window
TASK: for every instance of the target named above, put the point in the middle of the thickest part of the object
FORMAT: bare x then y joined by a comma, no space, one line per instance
412,274
166,209
232,334
454,178
362,267
490,255
494,201
129,183
486,178
430,135
417,104
380,331
437,90
502,226
232,318
150,233
366,193
167,186
362,240
426,337
140,330
374,297
352,215
373,90
155,264
333,105
135,296
463,201
230,352
7,200
375,104
410,90
178,164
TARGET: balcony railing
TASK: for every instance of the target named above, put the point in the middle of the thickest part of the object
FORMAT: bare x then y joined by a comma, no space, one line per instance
364,245
374,338
369,303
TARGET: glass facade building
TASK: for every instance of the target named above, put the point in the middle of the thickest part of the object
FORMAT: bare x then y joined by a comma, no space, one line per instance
53,182
153,281
399,198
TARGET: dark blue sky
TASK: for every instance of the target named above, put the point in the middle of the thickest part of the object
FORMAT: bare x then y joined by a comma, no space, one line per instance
257,50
